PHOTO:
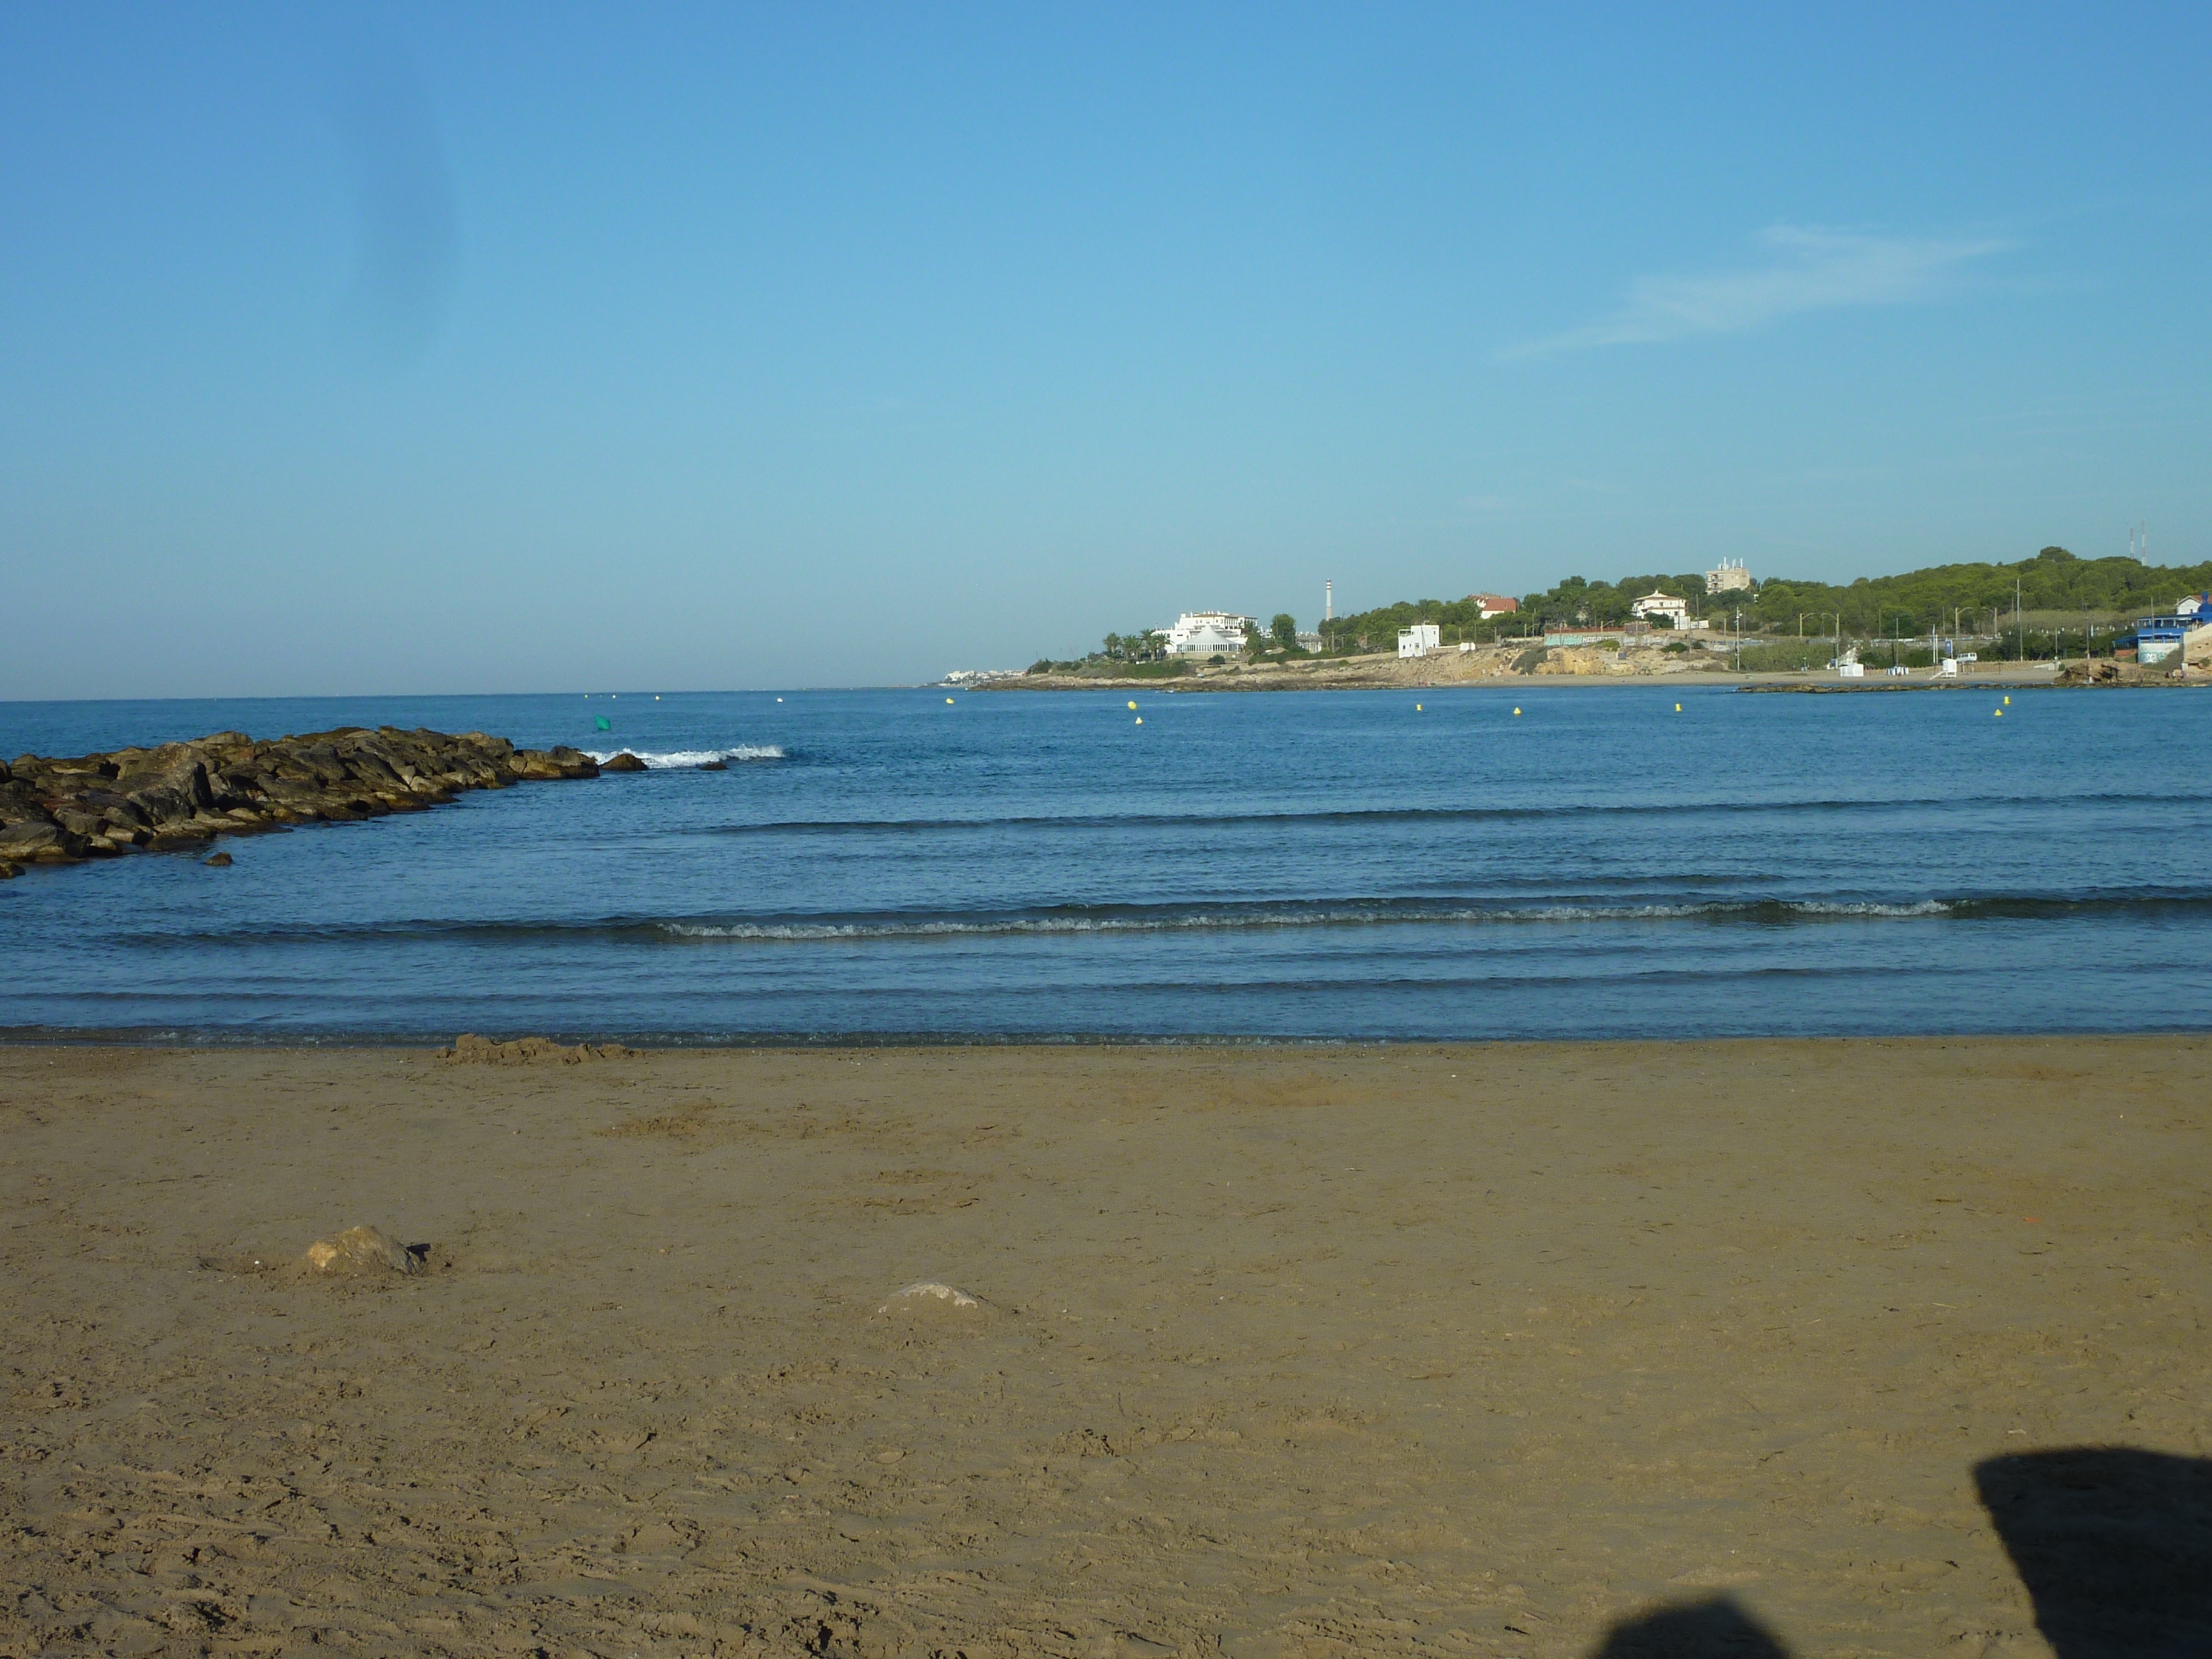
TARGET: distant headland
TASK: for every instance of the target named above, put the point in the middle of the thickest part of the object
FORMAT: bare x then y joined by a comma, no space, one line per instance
2119,613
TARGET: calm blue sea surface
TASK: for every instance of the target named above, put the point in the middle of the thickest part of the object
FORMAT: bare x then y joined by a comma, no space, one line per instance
1303,865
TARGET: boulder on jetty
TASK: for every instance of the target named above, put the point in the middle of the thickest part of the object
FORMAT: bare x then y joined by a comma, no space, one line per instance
469,1049
624,762
185,794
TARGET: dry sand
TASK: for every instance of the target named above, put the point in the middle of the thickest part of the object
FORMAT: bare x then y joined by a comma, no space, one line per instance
1334,1352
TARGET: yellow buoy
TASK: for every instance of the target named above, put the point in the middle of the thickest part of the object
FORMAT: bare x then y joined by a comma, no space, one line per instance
1417,708
1133,702
2007,702
1999,713
1678,708
1140,719
948,700
1516,711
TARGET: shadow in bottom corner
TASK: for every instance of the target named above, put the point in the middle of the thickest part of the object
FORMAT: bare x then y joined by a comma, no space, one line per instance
1715,1629
2114,1545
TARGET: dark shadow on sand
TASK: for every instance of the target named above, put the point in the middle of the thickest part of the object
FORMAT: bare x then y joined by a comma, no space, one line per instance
1714,1629
2115,1546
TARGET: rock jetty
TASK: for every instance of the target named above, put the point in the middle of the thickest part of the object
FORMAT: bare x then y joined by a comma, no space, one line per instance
180,796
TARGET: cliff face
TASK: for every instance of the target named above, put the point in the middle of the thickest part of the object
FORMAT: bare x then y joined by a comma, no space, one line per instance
182,795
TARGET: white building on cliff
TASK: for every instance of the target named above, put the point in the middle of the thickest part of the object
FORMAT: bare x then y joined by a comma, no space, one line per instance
1656,605
1209,634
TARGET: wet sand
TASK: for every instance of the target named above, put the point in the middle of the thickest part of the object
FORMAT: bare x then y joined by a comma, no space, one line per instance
1280,1352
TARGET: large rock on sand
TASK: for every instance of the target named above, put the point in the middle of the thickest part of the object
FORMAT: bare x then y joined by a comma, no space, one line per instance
361,1250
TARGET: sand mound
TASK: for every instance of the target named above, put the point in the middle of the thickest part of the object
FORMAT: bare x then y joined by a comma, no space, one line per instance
469,1049
361,1250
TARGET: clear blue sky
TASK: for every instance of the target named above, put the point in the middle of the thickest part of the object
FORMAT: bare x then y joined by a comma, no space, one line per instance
347,349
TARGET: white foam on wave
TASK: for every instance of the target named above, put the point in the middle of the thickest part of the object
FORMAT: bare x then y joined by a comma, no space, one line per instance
832,930
1354,915
1924,908
678,759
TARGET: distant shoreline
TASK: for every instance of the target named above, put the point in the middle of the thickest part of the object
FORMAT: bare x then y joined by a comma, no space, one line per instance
1406,676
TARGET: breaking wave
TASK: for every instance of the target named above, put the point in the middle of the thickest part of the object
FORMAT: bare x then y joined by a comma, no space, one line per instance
1103,920
676,760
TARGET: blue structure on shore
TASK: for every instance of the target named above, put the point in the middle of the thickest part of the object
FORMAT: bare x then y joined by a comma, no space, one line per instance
2158,638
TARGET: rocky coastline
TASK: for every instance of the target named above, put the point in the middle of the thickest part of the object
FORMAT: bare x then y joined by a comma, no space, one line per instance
179,797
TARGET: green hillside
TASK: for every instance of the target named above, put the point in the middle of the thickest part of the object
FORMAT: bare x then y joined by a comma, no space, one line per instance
2052,585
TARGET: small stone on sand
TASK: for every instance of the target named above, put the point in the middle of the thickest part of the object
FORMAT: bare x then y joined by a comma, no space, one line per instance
931,1300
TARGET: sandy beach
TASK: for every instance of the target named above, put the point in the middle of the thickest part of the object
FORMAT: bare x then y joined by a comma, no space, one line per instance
1275,1351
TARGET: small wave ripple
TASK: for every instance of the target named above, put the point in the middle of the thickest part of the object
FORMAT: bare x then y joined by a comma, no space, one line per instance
1075,920
1736,812
1168,919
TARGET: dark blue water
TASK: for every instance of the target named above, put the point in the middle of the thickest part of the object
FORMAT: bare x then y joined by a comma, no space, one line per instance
1303,865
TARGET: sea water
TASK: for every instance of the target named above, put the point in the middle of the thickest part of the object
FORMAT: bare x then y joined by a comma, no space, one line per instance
1517,861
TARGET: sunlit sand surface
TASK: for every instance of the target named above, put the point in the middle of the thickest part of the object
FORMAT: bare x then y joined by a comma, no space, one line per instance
1311,1352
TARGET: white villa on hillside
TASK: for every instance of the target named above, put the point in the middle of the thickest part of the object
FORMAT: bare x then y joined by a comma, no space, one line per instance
1209,634
1655,603
1418,640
